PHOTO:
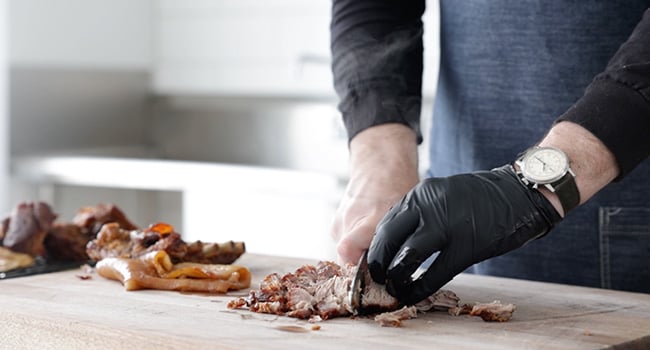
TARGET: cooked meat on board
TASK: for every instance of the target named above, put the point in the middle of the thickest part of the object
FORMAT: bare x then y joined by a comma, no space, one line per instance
24,230
31,229
320,292
97,232
155,270
115,242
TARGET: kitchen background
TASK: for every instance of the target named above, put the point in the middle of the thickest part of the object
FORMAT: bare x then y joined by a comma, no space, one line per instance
217,116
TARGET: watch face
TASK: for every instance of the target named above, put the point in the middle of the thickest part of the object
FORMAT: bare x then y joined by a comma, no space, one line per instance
544,165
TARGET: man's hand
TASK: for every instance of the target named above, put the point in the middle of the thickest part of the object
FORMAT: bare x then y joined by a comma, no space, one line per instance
466,218
383,167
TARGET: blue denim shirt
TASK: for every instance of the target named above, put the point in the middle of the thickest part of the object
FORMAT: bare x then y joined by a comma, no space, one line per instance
508,69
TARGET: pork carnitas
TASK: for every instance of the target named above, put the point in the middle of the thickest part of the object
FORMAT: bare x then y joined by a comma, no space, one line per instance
320,292
101,231
25,229
114,241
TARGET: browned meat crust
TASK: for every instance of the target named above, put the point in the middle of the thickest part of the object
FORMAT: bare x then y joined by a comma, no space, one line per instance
493,312
93,218
67,242
114,241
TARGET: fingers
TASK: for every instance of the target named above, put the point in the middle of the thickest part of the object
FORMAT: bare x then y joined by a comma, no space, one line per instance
425,242
443,270
392,231
351,246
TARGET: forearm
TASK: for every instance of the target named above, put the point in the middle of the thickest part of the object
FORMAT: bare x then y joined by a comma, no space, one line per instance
377,62
592,162
605,134
616,105
379,153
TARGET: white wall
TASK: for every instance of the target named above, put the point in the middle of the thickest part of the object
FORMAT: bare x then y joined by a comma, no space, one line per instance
81,33
4,109
274,48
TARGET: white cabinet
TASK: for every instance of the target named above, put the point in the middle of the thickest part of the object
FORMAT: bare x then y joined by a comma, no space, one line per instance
243,47
255,47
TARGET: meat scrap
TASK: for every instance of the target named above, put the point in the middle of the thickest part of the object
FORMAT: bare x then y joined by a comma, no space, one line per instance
489,312
395,318
493,312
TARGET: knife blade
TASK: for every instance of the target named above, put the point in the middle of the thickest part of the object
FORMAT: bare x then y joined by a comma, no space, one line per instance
358,285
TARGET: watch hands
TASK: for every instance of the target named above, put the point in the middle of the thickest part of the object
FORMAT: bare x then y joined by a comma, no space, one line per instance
543,163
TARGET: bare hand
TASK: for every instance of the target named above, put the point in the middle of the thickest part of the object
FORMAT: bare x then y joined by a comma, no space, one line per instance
384,167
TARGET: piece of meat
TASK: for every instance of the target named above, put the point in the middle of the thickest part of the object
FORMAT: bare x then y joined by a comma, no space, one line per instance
66,242
464,309
395,318
113,241
441,300
93,218
26,227
493,312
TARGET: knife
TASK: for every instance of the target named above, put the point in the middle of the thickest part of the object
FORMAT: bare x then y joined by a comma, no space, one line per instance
40,267
358,285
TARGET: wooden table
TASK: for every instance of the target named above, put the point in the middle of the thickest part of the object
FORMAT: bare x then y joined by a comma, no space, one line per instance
61,311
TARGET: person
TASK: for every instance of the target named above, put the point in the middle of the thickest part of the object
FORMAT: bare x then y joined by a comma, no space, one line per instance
564,75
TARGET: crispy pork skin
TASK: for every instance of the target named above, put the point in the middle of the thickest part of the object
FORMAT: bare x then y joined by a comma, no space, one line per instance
155,270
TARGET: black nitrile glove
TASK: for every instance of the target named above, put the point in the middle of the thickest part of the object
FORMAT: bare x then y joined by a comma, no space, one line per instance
465,218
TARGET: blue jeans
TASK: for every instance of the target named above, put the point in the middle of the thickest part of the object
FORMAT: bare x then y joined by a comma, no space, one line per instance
507,70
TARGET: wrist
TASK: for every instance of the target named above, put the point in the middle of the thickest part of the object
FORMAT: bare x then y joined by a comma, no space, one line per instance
592,162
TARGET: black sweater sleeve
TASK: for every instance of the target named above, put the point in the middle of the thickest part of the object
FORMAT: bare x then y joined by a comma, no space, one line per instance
377,62
616,105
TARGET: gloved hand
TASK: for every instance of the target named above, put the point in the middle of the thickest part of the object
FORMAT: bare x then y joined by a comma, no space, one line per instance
466,218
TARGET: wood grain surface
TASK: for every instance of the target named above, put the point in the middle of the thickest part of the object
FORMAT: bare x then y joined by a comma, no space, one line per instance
61,311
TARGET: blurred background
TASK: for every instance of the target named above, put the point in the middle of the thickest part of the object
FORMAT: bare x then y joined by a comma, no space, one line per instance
216,116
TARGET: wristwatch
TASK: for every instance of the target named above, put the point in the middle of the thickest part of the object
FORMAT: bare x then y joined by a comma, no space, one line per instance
549,167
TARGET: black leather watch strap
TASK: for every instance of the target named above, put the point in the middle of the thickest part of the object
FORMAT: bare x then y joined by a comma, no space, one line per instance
567,192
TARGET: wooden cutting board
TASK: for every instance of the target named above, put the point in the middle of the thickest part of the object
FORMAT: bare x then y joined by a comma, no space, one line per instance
61,311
